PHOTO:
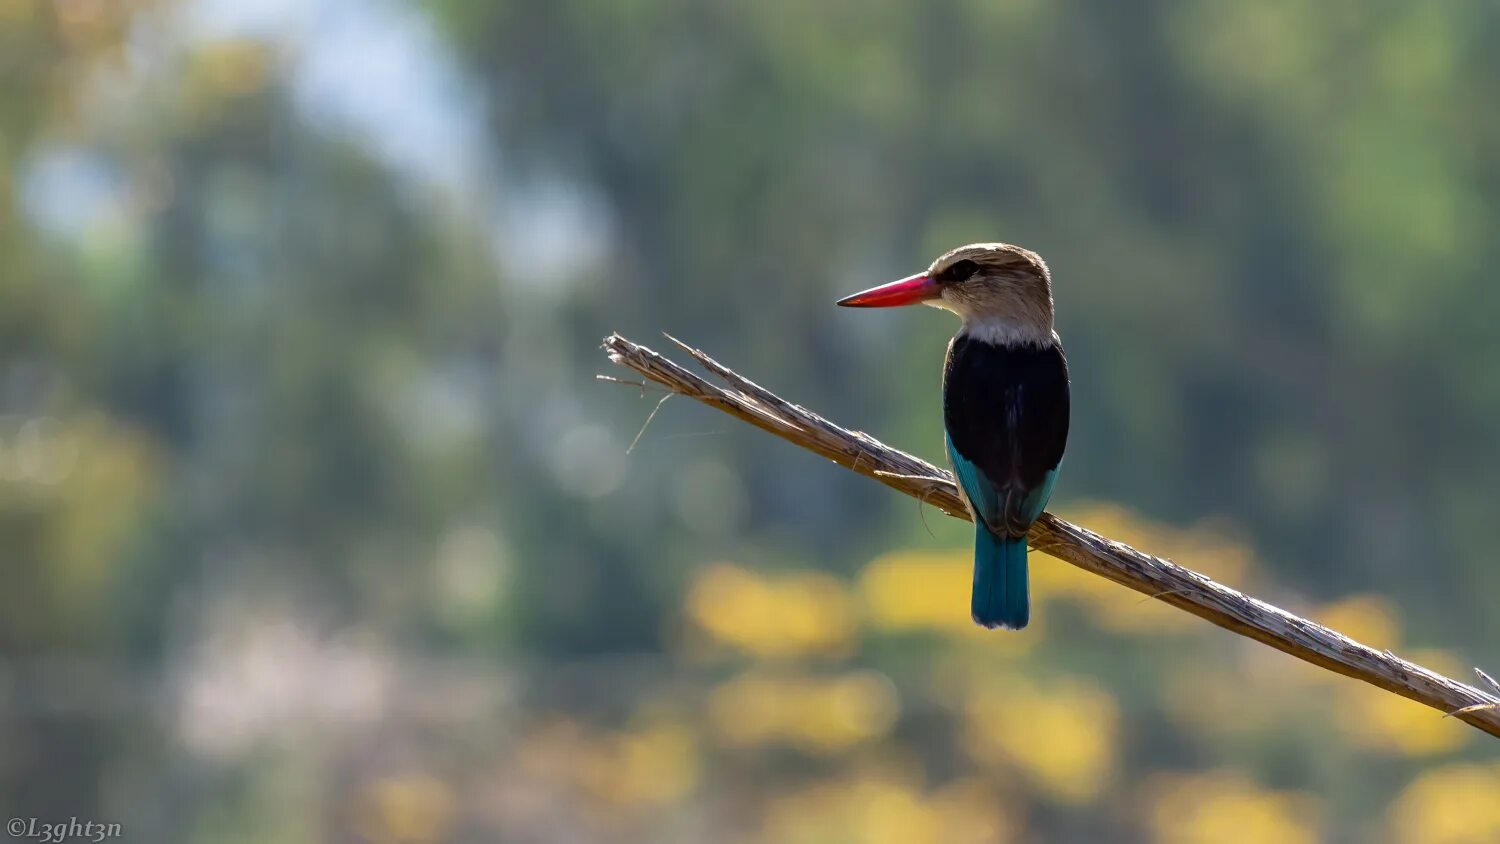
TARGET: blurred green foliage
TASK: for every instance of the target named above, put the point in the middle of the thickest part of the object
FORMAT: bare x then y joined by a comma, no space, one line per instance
315,526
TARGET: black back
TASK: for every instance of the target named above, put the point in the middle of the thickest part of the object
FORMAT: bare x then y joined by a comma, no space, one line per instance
1006,410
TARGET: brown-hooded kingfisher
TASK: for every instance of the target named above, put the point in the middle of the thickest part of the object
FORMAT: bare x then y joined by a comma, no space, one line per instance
1005,404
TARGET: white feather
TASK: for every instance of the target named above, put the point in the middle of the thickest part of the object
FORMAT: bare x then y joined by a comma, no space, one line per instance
999,331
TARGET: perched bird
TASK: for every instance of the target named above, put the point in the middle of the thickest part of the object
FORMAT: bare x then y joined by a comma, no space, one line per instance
1005,404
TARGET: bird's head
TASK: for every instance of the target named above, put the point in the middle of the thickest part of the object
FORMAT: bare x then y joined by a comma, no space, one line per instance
1001,292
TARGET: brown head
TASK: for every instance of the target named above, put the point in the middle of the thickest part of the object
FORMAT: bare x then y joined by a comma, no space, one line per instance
1003,293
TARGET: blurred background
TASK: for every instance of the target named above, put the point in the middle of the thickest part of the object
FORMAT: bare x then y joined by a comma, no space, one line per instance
316,526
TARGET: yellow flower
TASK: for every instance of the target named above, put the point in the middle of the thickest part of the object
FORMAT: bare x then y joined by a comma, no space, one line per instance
914,591
1061,737
1226,808
873,809
1455,805
820,715
409,809
1209,547
773,617
1206,548
1380,720
1367,619
911,591
653,765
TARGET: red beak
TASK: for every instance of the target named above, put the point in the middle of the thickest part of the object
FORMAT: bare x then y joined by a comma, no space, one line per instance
907,291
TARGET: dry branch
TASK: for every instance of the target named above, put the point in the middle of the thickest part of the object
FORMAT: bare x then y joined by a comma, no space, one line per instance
1153,576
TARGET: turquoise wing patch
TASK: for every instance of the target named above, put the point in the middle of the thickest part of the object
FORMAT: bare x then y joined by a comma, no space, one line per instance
983,496
1035,502
998,510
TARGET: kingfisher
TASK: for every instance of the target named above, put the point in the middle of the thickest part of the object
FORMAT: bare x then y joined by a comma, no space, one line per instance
1005,405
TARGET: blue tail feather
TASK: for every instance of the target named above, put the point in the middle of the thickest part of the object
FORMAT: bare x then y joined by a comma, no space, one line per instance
1001,592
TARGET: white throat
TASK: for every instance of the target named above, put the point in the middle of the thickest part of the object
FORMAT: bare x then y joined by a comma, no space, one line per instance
1000,331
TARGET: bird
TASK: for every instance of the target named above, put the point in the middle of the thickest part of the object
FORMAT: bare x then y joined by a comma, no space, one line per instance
1005,405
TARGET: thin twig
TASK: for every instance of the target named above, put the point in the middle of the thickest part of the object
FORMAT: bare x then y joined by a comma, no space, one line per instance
626,381
1475,708
1155,577
1157,596
644,425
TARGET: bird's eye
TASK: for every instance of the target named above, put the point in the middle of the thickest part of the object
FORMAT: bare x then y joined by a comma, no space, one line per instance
961,270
